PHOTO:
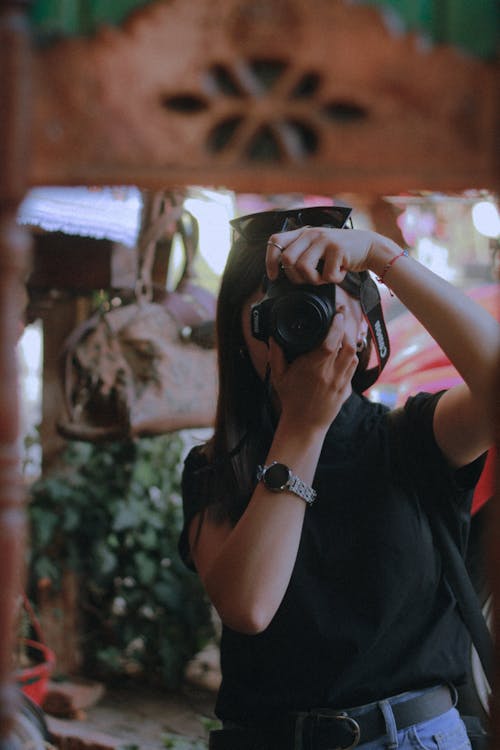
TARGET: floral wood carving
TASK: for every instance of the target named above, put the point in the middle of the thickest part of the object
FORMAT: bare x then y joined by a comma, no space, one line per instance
263,96
285,130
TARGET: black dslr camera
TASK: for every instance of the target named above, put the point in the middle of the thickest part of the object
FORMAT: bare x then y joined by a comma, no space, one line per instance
297,316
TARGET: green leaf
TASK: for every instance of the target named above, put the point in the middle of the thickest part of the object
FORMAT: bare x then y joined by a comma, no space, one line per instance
126,517
112,514
71,520
174,742
106,561
148,538
146,568
44,522
168,593
45,568
144,474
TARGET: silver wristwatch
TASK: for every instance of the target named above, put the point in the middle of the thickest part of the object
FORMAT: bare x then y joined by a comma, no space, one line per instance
279,478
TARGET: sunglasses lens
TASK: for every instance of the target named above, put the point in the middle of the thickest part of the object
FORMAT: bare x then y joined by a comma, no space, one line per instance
336,216
260,226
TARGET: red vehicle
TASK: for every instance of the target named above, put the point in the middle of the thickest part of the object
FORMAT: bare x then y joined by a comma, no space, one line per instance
418,364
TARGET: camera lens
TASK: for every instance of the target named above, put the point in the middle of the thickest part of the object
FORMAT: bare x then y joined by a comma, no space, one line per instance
300,321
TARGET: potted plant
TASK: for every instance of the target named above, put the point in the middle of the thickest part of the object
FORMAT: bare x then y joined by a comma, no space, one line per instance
34,660
113,515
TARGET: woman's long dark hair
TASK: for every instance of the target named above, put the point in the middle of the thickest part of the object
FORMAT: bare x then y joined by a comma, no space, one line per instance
242,423
244,420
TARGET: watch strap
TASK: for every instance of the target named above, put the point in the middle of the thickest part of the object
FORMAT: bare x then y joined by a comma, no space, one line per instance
300,488
294,484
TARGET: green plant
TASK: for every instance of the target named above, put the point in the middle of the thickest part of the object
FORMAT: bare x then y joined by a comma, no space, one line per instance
113,515
178,742
172,742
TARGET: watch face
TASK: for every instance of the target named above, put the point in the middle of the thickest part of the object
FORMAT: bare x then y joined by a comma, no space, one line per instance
276,476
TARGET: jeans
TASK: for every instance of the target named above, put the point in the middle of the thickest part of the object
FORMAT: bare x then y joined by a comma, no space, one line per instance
444,732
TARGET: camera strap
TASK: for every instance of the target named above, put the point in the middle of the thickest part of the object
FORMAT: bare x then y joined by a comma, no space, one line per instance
371,306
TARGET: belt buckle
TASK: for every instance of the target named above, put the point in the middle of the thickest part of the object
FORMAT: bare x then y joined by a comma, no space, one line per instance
352,725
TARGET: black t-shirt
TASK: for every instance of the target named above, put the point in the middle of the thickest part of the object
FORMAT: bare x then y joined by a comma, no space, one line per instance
367,613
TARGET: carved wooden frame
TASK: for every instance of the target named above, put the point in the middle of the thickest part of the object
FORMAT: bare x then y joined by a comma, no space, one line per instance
253,95
190,93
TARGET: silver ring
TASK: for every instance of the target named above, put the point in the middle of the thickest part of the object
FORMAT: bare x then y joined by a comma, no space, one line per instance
272,242
285,268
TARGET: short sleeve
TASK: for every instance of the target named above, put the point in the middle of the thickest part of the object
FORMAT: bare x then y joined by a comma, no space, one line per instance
424,454
194,497
419,462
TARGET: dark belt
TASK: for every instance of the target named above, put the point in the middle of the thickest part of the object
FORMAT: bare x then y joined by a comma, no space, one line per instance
328,729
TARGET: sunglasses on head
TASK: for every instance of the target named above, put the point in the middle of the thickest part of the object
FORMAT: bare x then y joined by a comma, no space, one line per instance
260,225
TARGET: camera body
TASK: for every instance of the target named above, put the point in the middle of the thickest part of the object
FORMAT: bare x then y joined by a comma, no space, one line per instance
297,316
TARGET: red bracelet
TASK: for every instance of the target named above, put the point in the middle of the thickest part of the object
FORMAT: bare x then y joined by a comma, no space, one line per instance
380,278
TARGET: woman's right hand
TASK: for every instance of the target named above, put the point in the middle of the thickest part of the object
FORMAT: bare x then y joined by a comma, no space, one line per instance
261,550
312,388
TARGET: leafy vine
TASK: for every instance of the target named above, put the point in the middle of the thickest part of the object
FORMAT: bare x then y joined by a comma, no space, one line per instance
113,515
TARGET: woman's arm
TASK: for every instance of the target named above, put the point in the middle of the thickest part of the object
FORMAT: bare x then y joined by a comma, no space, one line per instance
470,338
467,334
246,569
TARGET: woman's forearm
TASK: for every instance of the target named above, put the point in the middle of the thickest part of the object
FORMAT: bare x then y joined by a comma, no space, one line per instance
248,577
467,334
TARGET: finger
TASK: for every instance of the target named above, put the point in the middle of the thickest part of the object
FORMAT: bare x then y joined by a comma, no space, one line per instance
284,238
335,336
335,265
314,257
273,257
348,374
308,266
277,359
276,244
293,244
333,342
342,252
346,364
347,358
292,274
300,260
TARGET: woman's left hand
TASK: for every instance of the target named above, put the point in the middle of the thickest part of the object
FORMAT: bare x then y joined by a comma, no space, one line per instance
319,255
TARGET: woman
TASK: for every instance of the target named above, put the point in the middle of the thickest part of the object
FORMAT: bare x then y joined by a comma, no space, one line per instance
338,628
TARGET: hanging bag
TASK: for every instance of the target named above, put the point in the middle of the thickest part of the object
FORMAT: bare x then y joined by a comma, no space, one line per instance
145,367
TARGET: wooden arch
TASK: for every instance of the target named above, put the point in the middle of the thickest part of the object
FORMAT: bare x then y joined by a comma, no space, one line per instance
253,95
262,96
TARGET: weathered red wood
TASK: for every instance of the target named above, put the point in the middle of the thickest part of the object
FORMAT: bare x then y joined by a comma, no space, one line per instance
80,264
13,247
494,573
15,80
347,103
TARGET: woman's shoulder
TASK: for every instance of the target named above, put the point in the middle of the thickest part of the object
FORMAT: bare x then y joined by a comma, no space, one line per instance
197,458
195,473
415,406
195,495
417,410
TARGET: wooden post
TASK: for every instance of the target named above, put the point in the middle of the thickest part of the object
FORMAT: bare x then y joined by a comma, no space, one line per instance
14,249
494,570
